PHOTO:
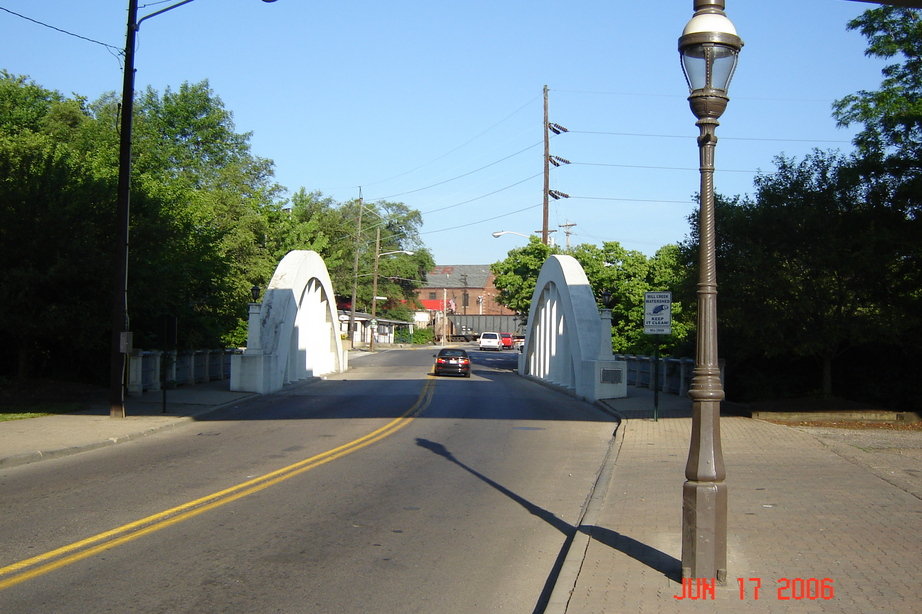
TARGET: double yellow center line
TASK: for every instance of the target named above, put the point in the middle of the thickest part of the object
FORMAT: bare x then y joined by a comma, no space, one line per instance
91,546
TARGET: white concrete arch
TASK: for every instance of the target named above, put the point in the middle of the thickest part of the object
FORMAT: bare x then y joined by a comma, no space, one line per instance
567,340
293,334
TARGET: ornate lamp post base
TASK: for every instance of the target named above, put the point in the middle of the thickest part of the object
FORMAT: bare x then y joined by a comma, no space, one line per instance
704,535
704,498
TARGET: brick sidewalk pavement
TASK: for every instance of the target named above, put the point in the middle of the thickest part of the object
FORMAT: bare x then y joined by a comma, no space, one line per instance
796,510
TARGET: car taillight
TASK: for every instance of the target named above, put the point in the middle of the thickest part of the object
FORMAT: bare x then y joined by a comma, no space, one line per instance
465,361
440,361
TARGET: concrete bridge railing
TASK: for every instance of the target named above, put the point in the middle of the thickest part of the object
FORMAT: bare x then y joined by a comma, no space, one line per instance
674,374
149,369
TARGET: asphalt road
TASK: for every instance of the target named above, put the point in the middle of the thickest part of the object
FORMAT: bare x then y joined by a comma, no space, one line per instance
383,489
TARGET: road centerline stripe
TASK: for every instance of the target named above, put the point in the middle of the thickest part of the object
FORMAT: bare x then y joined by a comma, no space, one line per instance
41,564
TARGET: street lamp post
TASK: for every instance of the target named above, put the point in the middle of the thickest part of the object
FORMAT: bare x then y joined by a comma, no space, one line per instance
709,47
374,283
121,338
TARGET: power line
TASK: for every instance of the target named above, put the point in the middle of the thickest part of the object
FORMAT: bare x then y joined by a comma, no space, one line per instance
683,95
489,219
476,170
451,151
511,185
62,31
149,4
723,138
662,168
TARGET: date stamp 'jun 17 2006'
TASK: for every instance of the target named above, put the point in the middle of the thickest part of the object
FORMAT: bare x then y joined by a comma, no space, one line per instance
783,589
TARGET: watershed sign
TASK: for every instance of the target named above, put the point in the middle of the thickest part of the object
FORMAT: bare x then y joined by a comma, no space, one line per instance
657,313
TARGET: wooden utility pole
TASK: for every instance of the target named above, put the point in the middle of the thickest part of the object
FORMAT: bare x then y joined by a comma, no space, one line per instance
566,230
355,272
547,171
444,312
121,338
374,290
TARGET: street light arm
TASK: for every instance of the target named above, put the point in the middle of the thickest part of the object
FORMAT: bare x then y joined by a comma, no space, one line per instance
169,8
161,11
500,233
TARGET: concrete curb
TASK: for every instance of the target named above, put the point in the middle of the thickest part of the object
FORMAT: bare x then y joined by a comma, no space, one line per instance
576,553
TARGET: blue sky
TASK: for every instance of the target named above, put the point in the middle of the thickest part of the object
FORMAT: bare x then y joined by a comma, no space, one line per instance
439,104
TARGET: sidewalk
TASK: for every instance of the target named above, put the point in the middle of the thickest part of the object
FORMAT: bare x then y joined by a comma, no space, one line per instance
797,510
35,439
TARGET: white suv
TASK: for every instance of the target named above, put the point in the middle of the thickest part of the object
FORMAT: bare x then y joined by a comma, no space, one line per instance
490,341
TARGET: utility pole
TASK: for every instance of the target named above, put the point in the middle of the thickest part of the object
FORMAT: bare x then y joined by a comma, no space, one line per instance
547,170
121,340
374,289
355,272
120,335
566,230
464,296
444,312
548,160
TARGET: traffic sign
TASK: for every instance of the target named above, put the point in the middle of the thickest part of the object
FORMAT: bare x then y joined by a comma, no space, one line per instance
657,313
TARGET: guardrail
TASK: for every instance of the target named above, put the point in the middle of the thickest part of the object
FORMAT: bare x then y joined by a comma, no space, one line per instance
150,370
674,373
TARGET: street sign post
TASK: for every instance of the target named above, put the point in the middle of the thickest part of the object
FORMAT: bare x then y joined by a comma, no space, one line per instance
657,320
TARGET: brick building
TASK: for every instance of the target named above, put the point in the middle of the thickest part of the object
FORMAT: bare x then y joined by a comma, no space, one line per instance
463,288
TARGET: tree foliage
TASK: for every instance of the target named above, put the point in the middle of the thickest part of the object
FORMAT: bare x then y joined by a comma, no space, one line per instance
517,275
892,115
626,274
819,270
54,228
803,267
207,222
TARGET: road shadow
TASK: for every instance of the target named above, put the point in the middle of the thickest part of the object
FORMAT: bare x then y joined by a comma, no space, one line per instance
658,560
653,558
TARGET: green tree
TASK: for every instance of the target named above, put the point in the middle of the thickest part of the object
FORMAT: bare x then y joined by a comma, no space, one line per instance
890,150
517,275
55,225
399,275
24,105
203,211
892,115
321,224
626,274
207,222
802,268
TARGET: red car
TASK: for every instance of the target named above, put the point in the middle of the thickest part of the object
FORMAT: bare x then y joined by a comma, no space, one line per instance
506,339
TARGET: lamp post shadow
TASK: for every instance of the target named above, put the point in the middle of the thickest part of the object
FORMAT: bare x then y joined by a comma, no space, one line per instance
655,559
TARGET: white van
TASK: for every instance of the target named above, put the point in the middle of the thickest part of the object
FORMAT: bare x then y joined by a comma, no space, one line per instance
490,341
